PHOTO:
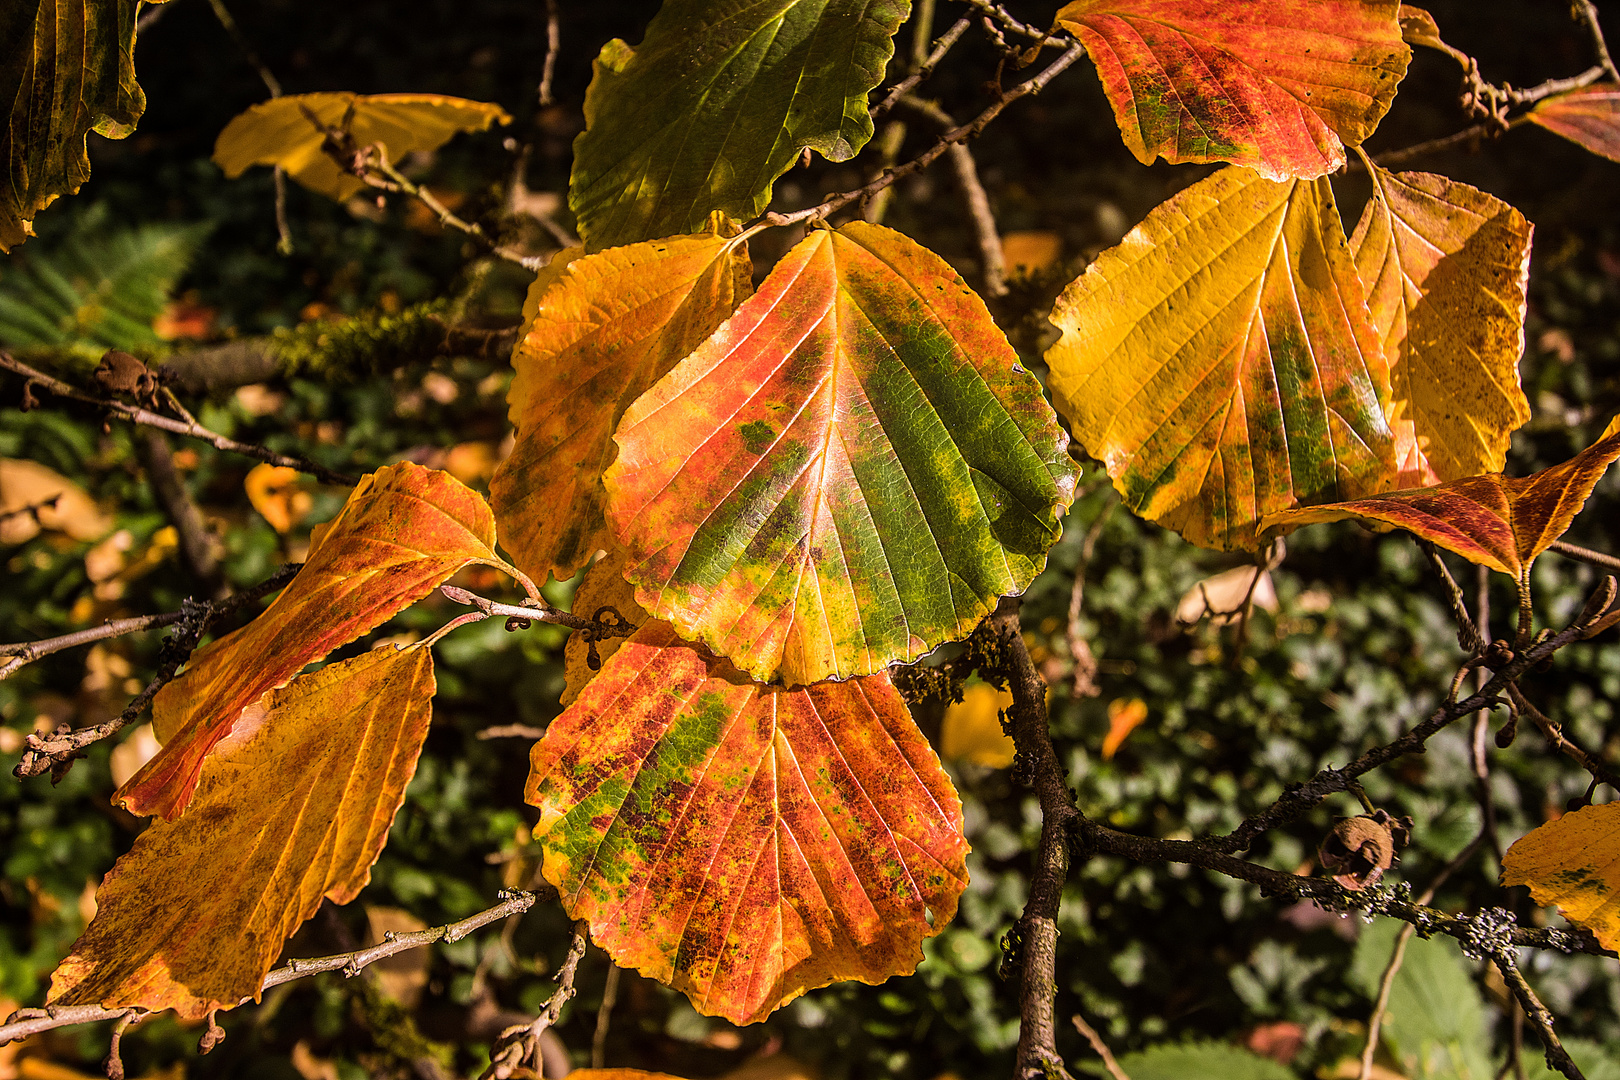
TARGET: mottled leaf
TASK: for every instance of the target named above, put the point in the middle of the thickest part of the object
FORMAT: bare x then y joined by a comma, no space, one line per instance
716,103
402,532
1221,361
280,132
605,329
852,470
1446,267
67,67
1502,522
294,806
1263,83
740,843
1589,117
1574,862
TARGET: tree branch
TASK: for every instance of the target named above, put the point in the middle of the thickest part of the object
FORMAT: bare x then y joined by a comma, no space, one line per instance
26,1022
924,69
520,1044
1586,555
146,417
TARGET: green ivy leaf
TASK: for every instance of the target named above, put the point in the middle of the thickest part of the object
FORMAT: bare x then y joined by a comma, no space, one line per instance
716,103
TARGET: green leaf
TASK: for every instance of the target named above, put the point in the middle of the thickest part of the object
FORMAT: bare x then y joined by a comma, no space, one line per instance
716,103
99,289
1203,1061
67,68
1435,1023
850,471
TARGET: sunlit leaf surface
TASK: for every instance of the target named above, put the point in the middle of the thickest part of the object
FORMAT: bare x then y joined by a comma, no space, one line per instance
741,843
1574,862
404,530
280,132
1446,267
1222,363
1264,83
1502,522
67,67
1590,117
716,103
605,329
852,470
294,806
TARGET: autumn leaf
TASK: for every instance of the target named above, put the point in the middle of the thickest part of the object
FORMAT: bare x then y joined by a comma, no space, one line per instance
1502,522
1124,717
971,728
742,843
604,330
1419,28
850,471
280,132
716,103
294,806
1221,361
1446,268
277,493
1262,83
403,531
1572,863
35,497
1589,117
67,68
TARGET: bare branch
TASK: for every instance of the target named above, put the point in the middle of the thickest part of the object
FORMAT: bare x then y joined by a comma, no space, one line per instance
26,1022
553,47
1554,734
1586,555
1557,1057
489,609
1107,1055
1586,11
604,1014
375,158
191,428
924,69
519,1045
991,259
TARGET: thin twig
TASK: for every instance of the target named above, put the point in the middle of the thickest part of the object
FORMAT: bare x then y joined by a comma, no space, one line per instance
1586,11
553,47
1036,931
268,77
192,429
1554,734
200,548
57,751
604,1014
397,181
511,731
1100,1047
25,1022
1586,555
1557,1057
1001,15
966,171
1468,636
490,609
966,131
925,68
520,1044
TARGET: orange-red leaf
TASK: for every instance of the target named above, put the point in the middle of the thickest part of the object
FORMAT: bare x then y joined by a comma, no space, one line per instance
1264,83
402,532
1221,361
1502,522
1573,863
293,807
741,843
280,132
850,471
1446,267
1590,117
604,330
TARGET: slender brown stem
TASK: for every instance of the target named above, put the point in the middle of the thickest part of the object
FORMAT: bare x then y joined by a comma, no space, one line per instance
199,547
1586,555
1554,734
1557,1057
520,1044
397,181
25,1022
192,429
1587,12
553,47
923,69
966,171
604,1015
1109,1061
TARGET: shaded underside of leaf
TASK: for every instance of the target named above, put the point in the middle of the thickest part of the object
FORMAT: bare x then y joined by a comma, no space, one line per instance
1589,118
606,329
603,586
1502,522
1446,267
1260,83
1574,862
1419,28
852,470
1222,363
294,807
280,132
67,68
404,530
719,101
740,843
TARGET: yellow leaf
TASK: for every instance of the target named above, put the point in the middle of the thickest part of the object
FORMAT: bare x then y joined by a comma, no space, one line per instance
1124,717
294,806
33,497
1574,862
1222,363
276,492
1446,267
971,729
279,132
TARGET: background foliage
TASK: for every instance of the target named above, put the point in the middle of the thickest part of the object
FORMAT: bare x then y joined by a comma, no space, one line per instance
1360,644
